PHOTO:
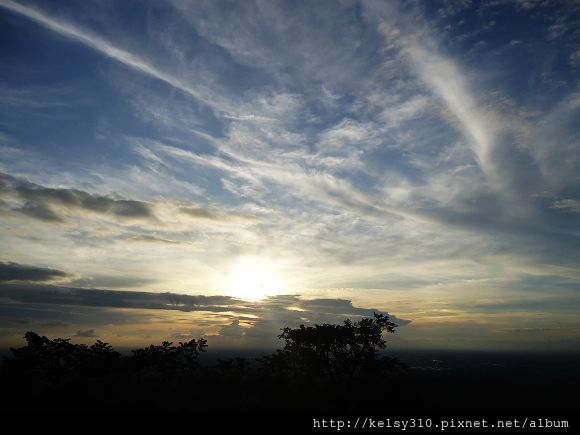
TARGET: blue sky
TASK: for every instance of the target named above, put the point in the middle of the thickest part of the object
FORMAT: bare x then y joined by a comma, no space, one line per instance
420,158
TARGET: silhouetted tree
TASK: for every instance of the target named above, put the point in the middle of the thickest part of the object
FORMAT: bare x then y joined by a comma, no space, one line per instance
234,370
58,360
321,370
163,376
345,350
170,360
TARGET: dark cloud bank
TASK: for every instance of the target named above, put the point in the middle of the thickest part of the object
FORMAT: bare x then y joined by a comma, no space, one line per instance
18,272
27,296
253,323
66,296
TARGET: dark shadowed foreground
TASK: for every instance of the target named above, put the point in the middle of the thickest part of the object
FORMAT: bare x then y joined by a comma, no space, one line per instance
322,371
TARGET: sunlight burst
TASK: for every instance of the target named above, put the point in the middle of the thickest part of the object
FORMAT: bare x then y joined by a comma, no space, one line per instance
254,279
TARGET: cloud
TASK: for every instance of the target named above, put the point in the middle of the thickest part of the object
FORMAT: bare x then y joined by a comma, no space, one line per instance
368,147
536,330
18,272
39,202
111,281
556,303
147,238
37,211
447,81
104,47
113,298
232,330
277,312
55,324
569,205
206,213
59,205
87,333
41,99
453,7
233,321
289,46
198,212
340,307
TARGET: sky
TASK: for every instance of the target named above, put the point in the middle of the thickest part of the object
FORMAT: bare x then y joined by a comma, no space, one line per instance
177,169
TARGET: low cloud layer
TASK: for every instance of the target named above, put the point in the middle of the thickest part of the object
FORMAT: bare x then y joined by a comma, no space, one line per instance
10,272
114,299
226,321
87,333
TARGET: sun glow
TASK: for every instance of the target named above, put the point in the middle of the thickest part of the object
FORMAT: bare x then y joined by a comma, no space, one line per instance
254,279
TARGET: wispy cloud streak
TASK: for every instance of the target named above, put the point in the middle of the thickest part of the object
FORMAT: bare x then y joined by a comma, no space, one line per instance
108,49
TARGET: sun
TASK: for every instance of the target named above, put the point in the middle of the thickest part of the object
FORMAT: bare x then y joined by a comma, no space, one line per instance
254,279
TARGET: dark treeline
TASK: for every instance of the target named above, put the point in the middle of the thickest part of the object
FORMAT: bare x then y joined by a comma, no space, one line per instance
319,366
321,370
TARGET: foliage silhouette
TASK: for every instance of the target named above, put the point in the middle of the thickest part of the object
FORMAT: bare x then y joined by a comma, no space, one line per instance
312,356
58,360
320,369
349,350
169,359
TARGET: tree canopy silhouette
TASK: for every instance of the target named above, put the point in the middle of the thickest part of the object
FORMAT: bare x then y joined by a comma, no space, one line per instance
320,369
170,359
59,359
348,350
342,358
